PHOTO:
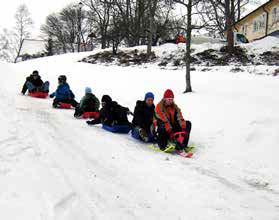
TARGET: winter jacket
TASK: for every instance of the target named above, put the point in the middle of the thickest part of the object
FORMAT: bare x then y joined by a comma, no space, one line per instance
170,116
143,115
35,82
112,113
89,103
63,92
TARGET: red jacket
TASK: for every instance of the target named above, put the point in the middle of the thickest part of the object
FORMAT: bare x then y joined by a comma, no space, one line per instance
169,114
180,39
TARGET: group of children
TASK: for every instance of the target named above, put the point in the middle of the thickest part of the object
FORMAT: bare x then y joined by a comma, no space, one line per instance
161,124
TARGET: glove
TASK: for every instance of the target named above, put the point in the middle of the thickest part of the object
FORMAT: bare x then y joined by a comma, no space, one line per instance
51,95
153,129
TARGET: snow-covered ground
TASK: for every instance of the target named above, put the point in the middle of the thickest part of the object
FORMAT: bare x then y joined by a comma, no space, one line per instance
258,57
54,167
269,43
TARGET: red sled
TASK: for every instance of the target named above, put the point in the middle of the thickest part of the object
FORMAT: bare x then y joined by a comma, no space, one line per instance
90,115
64,105
40,95
184,154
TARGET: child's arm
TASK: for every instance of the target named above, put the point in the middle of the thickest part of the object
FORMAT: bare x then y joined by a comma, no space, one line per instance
52,95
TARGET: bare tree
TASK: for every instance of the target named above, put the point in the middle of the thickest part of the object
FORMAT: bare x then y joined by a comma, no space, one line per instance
54,30
229,15
188,4
7,53
111,22
49,47
133,18
22,28
232,14
217,12
152,7
66,28
100,14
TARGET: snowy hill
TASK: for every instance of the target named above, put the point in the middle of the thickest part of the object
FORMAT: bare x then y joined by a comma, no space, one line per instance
54,167
204,56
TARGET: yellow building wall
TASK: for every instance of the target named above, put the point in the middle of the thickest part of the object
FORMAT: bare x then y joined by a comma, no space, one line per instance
273,26
249,23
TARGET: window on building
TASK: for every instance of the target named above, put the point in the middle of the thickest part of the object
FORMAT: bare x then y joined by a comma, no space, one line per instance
244,29
259,23
262,21
275,15
255,26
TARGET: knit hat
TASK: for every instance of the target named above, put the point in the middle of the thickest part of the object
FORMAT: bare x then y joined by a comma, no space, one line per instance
62,79
88,90
168,94
106,99
149,95
35,73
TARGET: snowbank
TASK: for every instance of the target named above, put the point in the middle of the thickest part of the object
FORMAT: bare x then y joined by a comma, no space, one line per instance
172,56
260,46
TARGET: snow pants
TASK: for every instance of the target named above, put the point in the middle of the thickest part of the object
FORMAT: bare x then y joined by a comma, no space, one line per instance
143,135
164,137
43,88
56,102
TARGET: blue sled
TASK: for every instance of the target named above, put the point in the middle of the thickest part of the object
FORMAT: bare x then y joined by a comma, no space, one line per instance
122,129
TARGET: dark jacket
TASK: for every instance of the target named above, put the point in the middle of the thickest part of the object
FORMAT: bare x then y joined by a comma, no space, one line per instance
36,82
63,92
143,115
89,103
112,114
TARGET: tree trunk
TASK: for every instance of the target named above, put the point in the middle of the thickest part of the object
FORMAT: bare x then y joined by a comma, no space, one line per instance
230,37
188,47
103,40
19,50
114,47
152,5
150,31
238,10
138,22
233,12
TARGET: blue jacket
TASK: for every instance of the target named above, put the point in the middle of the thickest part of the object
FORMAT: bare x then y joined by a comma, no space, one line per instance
62,92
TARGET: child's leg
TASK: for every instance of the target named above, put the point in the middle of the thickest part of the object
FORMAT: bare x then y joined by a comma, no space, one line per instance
78,112
188,131
45,87
73,102
55,103
162,137
30,87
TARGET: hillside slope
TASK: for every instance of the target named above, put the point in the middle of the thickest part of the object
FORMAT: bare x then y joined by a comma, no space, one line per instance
54,167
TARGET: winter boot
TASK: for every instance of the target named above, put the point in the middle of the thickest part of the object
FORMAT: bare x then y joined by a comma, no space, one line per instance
143,135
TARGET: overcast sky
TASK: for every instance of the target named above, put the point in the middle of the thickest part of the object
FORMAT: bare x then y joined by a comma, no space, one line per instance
39,9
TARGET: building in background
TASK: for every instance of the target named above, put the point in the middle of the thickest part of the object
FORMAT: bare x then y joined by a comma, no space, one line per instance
262,22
